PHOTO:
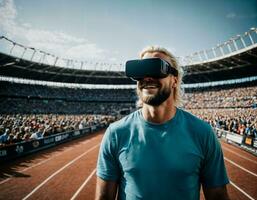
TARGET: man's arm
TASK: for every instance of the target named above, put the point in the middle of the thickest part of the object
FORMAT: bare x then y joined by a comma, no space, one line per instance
105,190
216,193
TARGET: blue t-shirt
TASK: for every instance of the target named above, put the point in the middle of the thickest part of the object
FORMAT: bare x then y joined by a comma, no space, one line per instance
161,161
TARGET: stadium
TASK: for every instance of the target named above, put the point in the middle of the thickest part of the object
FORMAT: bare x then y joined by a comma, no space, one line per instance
51,105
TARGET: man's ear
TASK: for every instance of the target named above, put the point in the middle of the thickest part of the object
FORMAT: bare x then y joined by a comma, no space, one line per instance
174,81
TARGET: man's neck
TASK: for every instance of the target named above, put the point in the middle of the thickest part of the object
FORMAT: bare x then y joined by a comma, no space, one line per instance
159,114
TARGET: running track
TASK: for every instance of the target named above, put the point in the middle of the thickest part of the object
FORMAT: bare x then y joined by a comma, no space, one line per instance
67,171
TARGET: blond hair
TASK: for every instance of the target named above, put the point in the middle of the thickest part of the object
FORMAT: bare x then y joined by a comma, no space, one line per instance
178,92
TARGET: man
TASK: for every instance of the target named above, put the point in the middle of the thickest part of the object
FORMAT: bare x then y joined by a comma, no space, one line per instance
160,151
39,133
4,137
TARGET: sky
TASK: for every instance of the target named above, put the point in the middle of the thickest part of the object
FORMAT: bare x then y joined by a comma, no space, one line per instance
117,30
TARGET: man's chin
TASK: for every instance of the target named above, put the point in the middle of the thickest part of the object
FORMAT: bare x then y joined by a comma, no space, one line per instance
148,99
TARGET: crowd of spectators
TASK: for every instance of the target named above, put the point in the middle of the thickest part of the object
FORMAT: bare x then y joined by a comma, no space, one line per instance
228,98
241,121
49,106
233,110
17,128
30,111
64,93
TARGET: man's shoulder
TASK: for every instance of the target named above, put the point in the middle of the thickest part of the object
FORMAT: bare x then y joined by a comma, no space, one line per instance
195,121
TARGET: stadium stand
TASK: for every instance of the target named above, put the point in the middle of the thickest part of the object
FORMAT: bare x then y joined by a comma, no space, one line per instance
51,97
21,127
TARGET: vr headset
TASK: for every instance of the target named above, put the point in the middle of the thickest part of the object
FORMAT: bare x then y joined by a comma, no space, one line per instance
149,67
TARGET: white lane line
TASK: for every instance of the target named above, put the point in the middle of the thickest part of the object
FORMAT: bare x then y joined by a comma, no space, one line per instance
227,149
40,163
238,188
83,185
58,171
239,166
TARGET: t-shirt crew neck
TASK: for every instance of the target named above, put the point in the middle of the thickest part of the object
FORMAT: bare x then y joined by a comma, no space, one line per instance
170,122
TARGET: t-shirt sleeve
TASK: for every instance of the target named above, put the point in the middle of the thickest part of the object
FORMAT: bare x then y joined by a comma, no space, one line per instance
213,172
107,164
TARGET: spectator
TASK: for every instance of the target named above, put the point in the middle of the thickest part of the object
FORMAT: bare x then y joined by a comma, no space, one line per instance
5,137
38,134
18,137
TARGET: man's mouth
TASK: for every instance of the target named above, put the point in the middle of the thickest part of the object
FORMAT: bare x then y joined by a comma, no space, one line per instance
150,86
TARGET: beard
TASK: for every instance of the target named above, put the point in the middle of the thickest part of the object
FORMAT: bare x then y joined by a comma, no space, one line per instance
154,99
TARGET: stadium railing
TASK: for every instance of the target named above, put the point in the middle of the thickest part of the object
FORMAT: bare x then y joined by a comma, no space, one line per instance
245,142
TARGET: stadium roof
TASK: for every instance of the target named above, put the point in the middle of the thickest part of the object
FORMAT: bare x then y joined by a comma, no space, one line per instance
224,62
240,64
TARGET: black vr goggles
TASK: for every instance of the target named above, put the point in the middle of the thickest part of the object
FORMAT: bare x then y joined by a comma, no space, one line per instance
149,67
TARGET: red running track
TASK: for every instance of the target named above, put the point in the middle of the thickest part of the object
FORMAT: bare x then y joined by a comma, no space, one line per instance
67,171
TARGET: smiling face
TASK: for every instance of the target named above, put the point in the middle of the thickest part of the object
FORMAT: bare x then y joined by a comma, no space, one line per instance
155,91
